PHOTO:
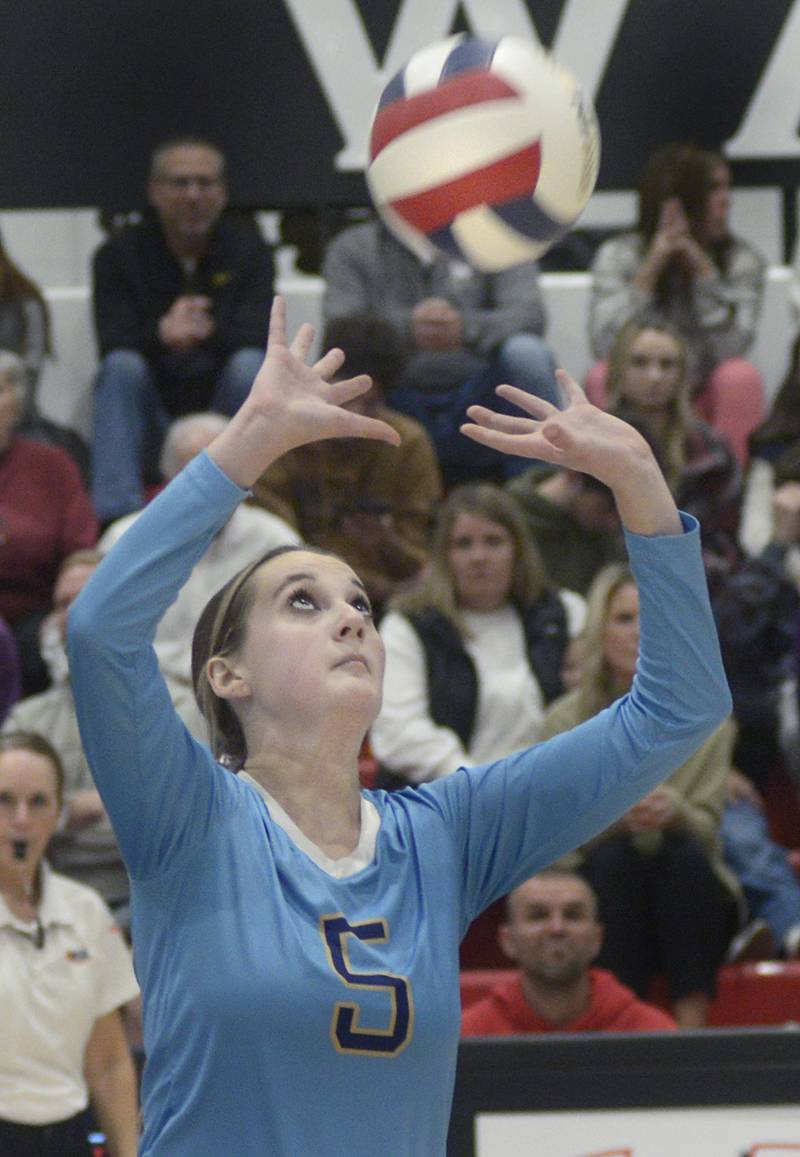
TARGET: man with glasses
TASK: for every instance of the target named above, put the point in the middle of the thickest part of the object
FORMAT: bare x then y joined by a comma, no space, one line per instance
181,301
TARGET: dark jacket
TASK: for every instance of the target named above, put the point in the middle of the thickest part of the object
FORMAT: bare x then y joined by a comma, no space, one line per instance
452,678
136,280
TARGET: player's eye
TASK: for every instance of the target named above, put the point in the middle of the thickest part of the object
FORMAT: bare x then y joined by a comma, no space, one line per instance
362,604
301,599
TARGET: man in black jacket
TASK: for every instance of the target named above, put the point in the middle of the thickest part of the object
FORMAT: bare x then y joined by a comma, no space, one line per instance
181,302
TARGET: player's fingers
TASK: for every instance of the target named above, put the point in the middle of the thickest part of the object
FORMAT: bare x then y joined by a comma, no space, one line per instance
303,341
360,426
329,363
573,392
528,447
277,322
349,388
507,423
530,403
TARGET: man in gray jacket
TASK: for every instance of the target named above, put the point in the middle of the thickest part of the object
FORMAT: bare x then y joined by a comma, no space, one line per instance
465,332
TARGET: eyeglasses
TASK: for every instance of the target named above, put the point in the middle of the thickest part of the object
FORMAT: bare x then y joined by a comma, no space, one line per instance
182,183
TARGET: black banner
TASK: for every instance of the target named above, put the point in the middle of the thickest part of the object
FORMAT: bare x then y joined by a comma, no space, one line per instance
286,87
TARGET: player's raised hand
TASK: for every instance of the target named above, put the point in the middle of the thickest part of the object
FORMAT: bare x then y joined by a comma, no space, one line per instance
582,437
291,403
302,402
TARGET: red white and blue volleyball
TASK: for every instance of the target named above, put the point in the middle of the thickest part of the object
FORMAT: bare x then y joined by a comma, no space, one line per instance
487,150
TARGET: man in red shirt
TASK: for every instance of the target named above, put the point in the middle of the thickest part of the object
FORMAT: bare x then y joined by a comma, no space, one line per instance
553,934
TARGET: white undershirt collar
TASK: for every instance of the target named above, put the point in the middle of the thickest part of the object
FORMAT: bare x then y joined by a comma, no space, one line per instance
362,854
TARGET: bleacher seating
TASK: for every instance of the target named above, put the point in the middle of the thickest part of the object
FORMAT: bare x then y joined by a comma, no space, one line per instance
747,994
65,391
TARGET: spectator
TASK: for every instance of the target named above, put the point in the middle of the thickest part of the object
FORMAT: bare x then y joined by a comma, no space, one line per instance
756,611
683,265
647,383
366,501
24,322
774,460
45,514
765,873
64,975
464,332
552,933
474,652
667,847
774,679
181,303
248,533
760,864
573,521
26,331
84,847
10,682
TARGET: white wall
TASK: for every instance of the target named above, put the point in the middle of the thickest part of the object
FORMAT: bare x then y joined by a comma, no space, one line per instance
55,248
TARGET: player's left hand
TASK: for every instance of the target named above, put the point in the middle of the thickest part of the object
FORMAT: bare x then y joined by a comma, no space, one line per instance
580,436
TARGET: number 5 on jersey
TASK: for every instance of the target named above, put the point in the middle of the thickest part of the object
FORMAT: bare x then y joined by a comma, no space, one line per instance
346,1032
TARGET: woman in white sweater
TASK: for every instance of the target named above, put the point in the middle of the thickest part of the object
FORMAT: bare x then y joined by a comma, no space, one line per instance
474,653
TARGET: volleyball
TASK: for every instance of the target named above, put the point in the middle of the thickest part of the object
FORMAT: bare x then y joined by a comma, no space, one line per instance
487,150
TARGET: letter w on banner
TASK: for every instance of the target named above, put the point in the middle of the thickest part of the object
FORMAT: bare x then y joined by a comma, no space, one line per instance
352,79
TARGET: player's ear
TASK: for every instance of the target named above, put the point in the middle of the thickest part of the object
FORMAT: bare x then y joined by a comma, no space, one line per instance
226,678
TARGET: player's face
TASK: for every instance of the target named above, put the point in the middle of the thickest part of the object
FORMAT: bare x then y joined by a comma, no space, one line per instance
188,192
480,555
29,806
621,635
652,374
311,643
553,933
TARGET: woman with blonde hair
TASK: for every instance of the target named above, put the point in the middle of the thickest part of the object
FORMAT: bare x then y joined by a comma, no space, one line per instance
648,384
667,900
474,651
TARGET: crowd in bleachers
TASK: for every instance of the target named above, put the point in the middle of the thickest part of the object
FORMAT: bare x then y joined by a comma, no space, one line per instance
505,609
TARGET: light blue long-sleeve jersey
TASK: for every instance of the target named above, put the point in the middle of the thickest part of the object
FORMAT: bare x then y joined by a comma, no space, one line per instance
288,1013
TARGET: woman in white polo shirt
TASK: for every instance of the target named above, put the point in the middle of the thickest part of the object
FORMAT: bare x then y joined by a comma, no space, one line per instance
64,973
